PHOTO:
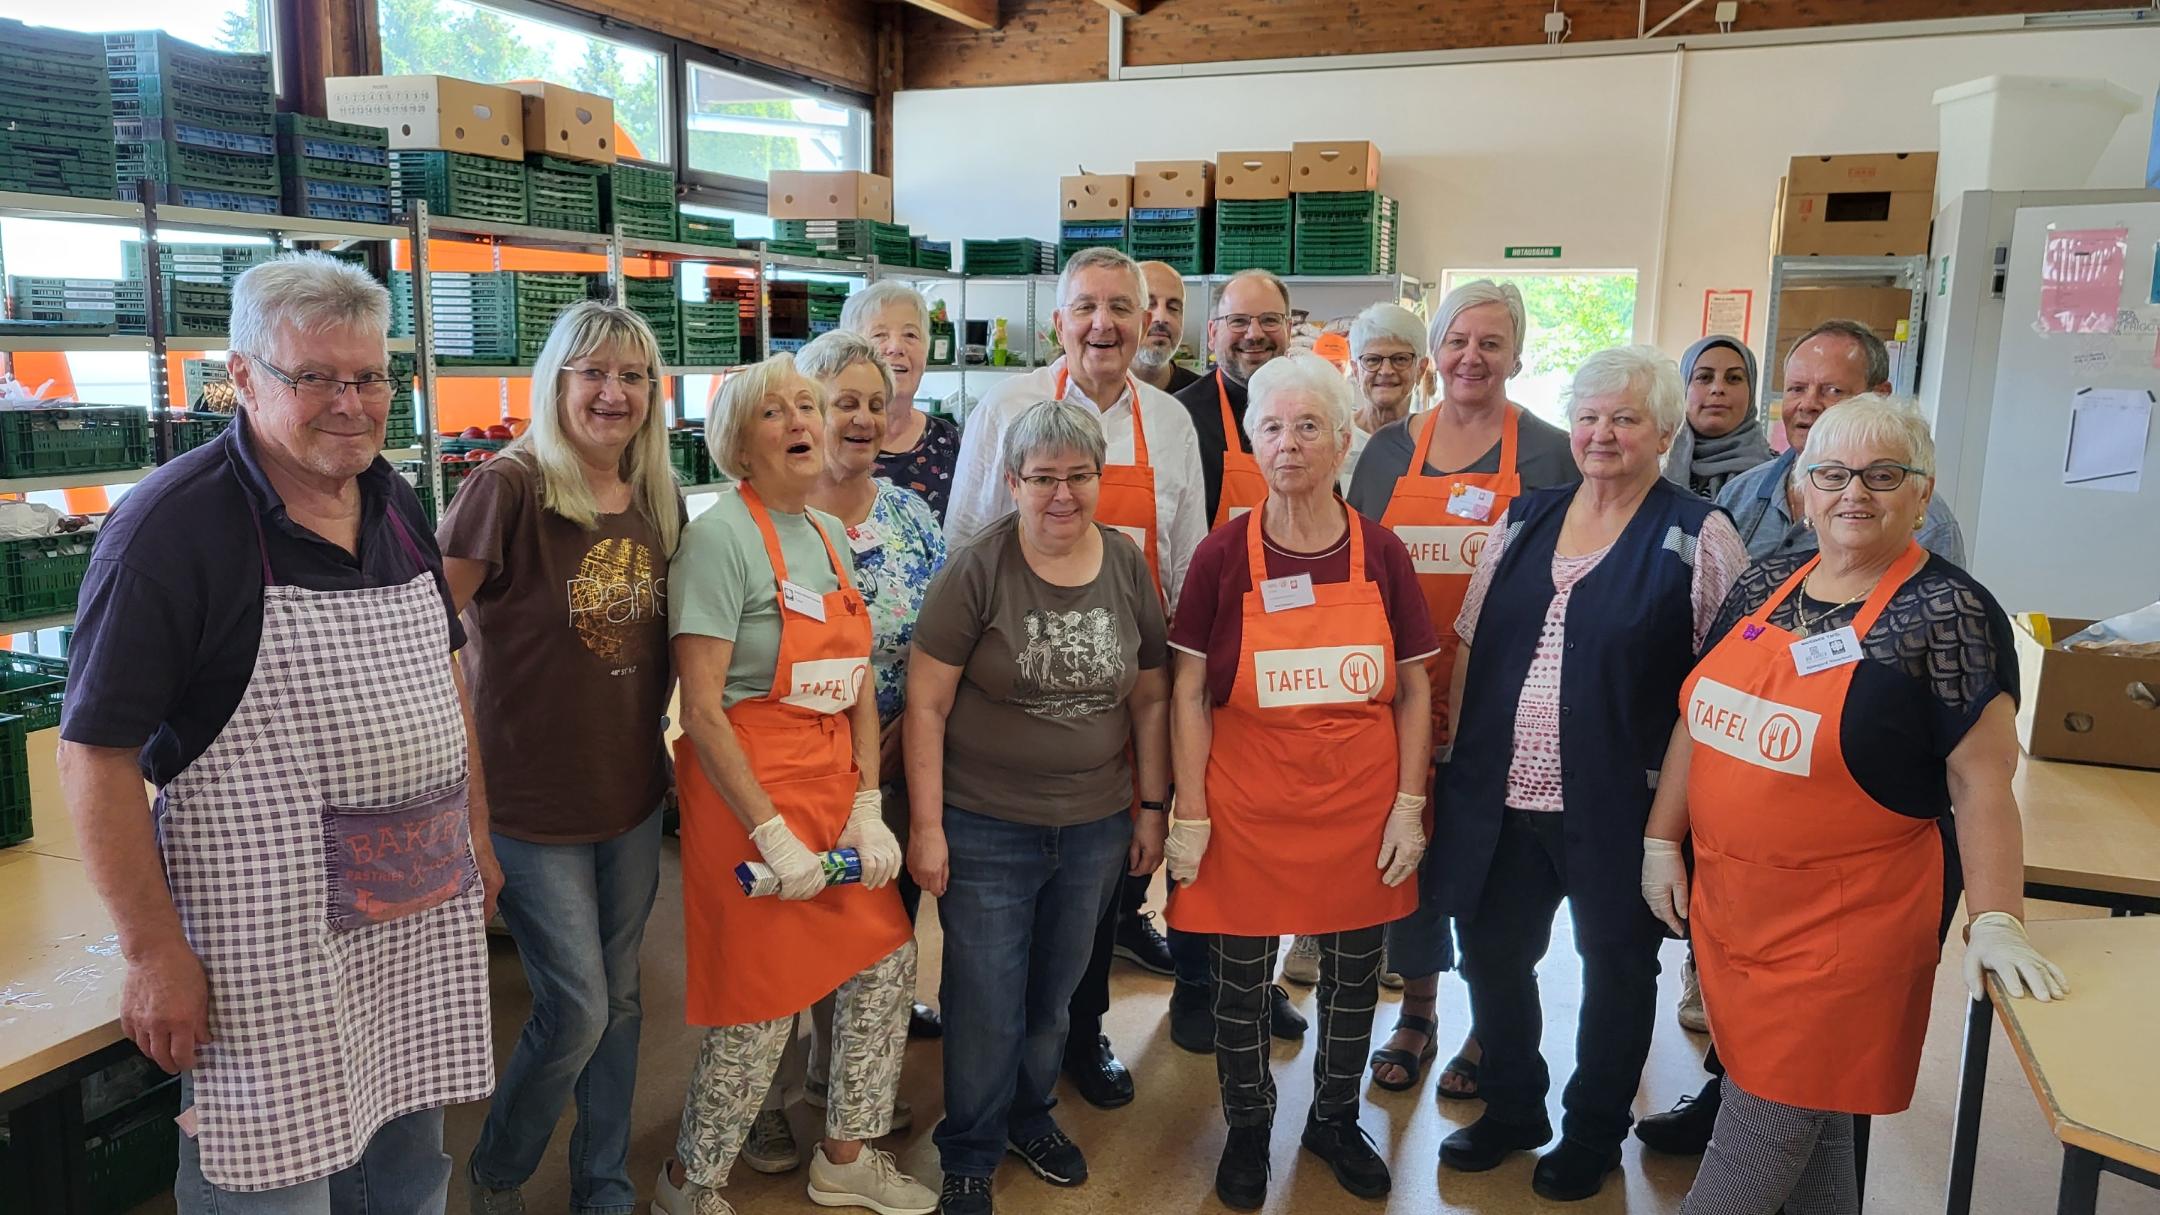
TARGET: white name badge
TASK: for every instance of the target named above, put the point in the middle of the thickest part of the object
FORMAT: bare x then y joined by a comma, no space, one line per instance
1235,511
1471,502
1138,535
826,685
802,600
1282,594
1753,730
864,536
1836,648
1323,675
1444,550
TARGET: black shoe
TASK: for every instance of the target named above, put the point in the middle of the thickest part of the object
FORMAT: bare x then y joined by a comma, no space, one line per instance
1684,1130
1241,1176
1053,1157
1573,1171
1349,1151
1488,1141
1140,943
964,1195
1284,1020
1095,1071
1192,1017
924,1022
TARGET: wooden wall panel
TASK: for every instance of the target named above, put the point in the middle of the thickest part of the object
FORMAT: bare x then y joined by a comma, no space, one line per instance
1039,42
830,40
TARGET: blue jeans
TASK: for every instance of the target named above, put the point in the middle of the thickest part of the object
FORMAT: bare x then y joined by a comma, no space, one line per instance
577,912
403,1171
1019,915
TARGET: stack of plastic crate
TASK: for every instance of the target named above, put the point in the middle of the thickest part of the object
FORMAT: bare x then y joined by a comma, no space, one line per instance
1175,236
1252,233
853,239
563,194
712,333
1018,255
641,202
56,113
1075,235
474,313
335,170
541,296
736,294
1350,232
932,254
82,305
460,184
402,428
656,300
197,280
704,230
201,125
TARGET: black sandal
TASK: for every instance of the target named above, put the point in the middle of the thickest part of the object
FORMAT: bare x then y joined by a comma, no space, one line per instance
1468,1070
1413,1065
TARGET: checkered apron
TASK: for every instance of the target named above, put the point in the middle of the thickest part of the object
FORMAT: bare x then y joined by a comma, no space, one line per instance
319,1036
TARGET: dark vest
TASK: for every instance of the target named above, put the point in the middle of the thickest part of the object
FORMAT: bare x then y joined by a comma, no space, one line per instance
1630,643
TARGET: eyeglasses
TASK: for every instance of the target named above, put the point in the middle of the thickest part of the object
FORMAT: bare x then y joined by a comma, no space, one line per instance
1374,362
594,378
317,389
1880,477
1043,484
1269,322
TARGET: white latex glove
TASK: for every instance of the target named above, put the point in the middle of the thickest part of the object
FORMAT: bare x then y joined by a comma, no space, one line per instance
1402,844
1664,882
1184,846
1996,941
801,874
874,843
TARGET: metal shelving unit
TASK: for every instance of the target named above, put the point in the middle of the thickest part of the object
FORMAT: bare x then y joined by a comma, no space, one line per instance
1909,273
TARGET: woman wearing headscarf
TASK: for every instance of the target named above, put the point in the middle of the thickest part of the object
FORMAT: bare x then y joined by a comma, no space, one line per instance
1723,436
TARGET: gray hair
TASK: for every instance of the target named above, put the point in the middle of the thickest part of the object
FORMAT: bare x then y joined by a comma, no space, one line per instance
860,307
1053,426
1105,257
1877,354
1873,419
581,330
1306,373
312,292
736,405
1473,294
1645,372
1266,276
829,354
1386,322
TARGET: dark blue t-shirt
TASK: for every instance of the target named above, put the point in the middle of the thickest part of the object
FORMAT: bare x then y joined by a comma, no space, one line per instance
171,613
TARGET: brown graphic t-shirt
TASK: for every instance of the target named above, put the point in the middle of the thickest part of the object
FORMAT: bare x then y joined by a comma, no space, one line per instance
567,658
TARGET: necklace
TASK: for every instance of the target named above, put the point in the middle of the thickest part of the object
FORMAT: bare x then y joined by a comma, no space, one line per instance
1808,627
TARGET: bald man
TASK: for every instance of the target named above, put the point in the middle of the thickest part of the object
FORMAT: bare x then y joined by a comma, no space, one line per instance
1156,363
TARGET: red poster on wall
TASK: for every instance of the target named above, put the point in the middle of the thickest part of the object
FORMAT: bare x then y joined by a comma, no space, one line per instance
1729,312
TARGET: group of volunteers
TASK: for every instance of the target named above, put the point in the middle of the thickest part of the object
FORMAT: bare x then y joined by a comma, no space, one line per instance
1393,682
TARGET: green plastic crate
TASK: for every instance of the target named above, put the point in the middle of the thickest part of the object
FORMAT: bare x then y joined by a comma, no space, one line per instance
629,183
704,230
134,1151
644,221
154,52
31,686
459,184
15,825
177,164
42,575
73,439
83,52
187,430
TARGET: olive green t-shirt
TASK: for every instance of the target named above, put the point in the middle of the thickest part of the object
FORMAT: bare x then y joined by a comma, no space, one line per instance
722,584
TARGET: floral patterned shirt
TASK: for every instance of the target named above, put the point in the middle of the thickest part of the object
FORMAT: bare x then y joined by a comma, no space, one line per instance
897,549
926,468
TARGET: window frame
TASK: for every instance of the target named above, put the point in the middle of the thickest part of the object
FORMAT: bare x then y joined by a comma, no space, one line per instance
725,190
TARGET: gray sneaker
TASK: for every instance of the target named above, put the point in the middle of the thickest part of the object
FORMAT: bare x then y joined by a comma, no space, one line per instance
481,1200
771,1147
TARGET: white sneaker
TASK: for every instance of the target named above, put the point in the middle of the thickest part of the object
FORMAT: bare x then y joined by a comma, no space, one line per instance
874,1182
1691,1012
689,1199
903,1114
1388,976
771,1147
1302,964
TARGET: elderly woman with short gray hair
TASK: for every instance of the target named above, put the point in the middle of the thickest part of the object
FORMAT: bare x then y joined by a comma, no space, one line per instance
1388,361
919,450
1302,745
1036,693
1586,613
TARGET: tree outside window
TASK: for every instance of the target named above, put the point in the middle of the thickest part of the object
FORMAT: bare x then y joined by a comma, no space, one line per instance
1572,314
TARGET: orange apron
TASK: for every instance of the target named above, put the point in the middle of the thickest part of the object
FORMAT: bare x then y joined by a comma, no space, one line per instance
1302,767
1444,546
1815,908
1127,503
751,960
1243,486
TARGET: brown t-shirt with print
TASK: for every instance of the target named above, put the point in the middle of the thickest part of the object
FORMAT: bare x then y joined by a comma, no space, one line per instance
567,658
1040,721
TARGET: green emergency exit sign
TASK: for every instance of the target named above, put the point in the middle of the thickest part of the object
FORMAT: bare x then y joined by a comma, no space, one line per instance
1552,251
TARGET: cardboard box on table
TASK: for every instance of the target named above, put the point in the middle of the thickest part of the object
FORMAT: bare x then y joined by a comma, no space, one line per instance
2086,706
566,123
433,113
1252,175
1876,204
1174,183
1333,166
1105,196
794,194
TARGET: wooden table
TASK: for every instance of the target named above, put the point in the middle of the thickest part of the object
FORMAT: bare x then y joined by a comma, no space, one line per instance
2092,834
2089,1058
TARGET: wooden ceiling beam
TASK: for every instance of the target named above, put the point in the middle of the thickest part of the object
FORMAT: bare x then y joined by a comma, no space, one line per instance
975,14
1128,8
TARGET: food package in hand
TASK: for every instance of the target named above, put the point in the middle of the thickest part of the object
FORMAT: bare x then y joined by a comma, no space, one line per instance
843,867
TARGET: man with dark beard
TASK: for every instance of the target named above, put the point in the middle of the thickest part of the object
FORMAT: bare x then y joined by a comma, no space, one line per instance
1249,326
1156,363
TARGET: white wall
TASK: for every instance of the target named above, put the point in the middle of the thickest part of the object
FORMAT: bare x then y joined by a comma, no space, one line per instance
1572,152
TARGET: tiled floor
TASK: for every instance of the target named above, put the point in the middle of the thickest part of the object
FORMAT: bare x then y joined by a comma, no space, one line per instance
1158,1154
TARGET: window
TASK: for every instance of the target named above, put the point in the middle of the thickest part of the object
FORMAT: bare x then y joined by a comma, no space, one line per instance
1571,315
220,25
480,42
745,128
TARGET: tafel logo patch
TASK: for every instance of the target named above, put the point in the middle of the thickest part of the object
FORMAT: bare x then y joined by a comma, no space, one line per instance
1323,675
828,685
1753,730
1444,550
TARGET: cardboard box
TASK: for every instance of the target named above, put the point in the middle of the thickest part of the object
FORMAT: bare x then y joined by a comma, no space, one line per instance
1095,196
566,123
793,194
1872,205
1252,175
2083,706
1174,183
435,113
1334,164
1802,308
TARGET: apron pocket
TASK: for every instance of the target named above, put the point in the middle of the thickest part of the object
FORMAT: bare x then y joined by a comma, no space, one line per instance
1767,915
383,863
